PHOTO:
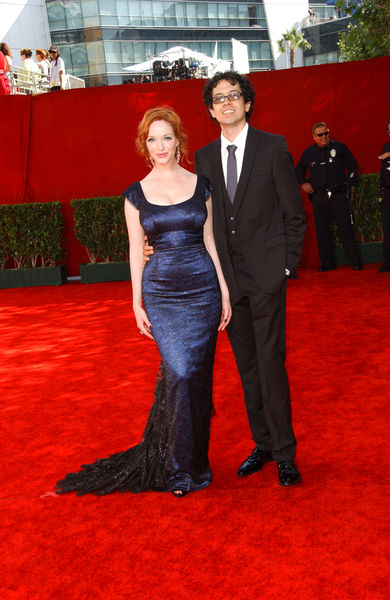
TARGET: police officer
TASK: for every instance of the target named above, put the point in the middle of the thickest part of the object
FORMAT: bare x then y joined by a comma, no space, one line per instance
333,172
384,199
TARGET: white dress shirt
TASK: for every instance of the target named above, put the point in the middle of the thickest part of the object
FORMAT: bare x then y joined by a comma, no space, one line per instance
240,142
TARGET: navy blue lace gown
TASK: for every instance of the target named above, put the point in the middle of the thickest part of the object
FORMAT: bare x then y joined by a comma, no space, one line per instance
182,300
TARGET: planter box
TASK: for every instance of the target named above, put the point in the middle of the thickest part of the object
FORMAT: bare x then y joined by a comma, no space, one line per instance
105,271
10,278
370,252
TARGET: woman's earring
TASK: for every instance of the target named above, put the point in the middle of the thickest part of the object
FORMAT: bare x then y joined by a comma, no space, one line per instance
178,154
151,161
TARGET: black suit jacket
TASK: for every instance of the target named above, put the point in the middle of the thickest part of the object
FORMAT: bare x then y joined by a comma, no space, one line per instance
269,220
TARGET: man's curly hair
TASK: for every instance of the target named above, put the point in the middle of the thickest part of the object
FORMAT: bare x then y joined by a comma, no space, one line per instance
233,77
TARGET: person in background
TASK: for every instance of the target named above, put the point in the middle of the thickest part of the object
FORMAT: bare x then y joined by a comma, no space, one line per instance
57,70
4,83
43,63
332,174
29,73
384,199
4,48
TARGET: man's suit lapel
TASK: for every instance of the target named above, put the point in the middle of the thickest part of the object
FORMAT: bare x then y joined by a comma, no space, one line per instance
219,180
247,165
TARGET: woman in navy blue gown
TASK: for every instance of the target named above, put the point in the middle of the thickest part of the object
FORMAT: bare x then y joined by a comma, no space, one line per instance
180,299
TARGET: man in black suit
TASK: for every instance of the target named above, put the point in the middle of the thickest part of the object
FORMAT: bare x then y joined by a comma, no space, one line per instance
259,233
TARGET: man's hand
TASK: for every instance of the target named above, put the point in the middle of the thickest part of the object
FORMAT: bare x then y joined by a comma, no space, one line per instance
148,250
383,156
307,188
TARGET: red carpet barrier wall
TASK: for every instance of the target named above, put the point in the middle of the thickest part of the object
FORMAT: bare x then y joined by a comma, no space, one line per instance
80,143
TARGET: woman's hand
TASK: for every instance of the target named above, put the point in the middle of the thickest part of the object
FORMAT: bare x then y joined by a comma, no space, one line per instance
226,313
143,323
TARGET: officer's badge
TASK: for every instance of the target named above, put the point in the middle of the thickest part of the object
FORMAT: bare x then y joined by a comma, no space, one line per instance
333,152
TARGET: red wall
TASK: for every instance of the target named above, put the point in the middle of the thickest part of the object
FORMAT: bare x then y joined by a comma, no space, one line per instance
80,143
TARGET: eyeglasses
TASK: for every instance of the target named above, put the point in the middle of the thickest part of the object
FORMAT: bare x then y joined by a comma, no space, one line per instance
232,96
321,134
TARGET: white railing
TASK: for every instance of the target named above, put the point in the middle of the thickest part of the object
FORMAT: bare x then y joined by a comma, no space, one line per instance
23,82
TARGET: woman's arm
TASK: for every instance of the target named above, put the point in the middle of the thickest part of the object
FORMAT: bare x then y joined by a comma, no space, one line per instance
209,242
136,242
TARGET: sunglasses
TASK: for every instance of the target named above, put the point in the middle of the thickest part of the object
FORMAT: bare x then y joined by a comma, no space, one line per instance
321,134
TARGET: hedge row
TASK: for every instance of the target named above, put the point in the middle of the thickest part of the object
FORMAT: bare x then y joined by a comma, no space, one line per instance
100,226
31,234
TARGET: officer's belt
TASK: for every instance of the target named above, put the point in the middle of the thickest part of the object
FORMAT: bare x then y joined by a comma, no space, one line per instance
334,189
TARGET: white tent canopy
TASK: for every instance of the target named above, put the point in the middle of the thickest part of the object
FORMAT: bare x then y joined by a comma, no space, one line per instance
177,52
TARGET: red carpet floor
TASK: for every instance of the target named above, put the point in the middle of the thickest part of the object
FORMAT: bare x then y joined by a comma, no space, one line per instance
76,384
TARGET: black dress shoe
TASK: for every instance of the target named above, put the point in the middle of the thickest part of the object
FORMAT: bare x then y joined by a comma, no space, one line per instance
384,268
326,267
254,462
288,473
358,267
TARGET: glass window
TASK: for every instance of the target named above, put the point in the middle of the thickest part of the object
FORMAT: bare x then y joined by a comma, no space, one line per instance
90,11
107,7
55,11
80,71
96,59
79,55
213,14
127,53
223,20
89,8
72,10
158,11
135,13
233,15
180,15
146,13
66,56
57,25
122,7
243,15
225,50
170,14
109,20
113,52
191,14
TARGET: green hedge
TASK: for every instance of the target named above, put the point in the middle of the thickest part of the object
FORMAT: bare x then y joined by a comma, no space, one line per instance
366,211
31,235
100,226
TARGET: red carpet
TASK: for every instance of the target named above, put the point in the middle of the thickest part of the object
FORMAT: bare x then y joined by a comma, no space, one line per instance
76,384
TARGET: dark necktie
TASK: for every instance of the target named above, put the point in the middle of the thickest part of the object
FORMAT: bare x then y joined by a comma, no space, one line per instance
231,173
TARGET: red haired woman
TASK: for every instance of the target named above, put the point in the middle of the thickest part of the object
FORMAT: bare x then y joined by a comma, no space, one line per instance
180,300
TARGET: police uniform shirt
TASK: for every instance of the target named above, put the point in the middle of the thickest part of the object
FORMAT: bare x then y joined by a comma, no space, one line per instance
327,166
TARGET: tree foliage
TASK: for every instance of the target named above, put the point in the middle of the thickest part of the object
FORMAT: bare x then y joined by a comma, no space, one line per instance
293,40
369,35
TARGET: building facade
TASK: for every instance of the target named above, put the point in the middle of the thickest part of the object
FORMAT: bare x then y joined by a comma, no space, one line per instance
322,29
98,38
